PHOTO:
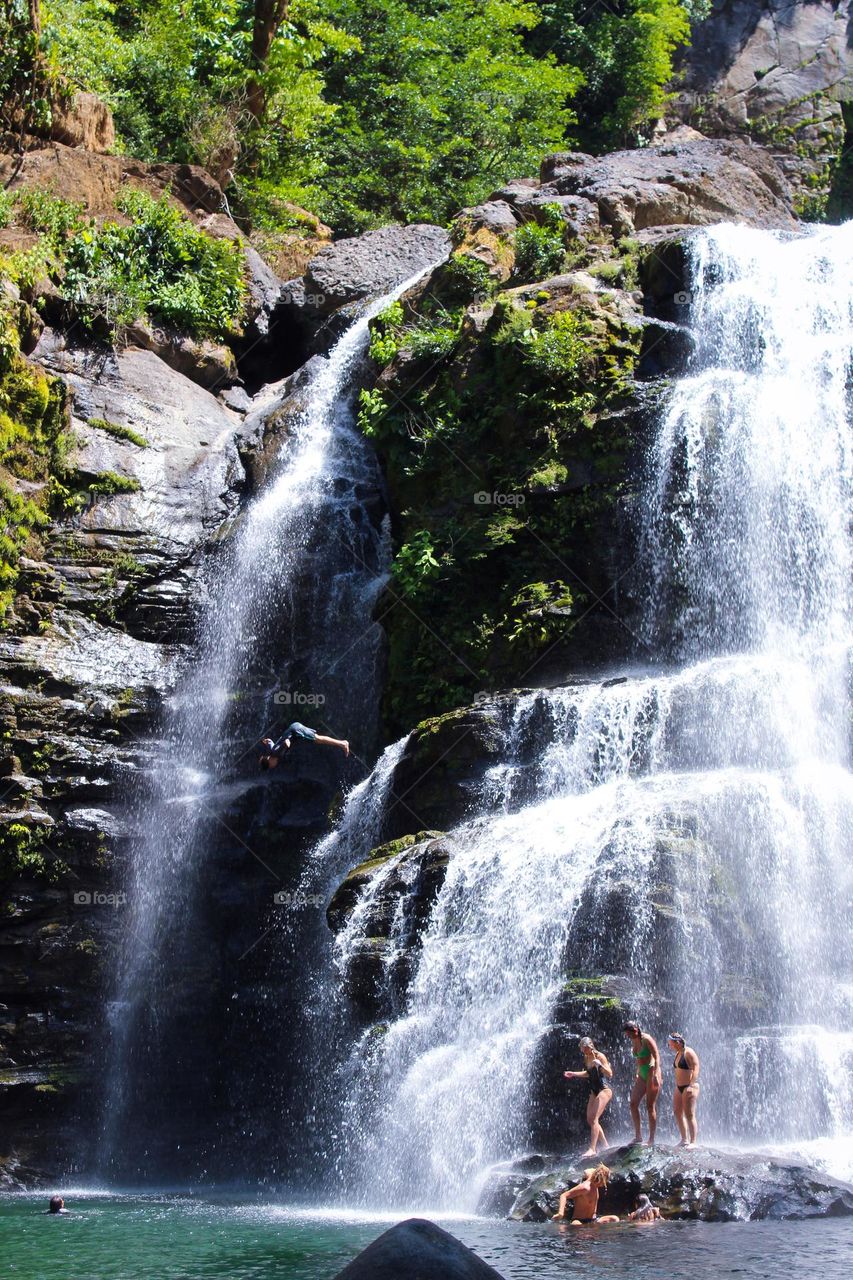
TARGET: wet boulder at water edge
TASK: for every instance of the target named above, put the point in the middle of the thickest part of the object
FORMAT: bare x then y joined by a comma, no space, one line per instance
703,1183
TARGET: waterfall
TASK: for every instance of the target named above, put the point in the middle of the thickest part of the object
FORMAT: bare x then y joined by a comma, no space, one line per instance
683,835
286,634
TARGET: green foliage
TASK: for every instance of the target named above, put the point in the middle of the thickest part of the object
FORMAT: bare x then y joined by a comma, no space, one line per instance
160,266
435,338
437,103
371,410
415,563
385,334
539,251
840,202
110,482
372,109
469,275
49,214
483,454
625,50
33,444
118,431
23,853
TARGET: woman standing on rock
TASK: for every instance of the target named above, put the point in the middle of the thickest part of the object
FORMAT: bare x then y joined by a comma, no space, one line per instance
647,1081
598,1071
686,1089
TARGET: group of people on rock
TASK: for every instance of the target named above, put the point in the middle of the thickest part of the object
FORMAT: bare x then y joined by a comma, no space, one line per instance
647,1085
648,1082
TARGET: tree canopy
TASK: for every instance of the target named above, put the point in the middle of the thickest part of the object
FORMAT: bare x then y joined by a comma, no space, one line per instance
361,110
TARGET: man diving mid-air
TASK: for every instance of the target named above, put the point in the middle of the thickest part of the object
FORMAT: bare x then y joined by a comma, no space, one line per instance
273,751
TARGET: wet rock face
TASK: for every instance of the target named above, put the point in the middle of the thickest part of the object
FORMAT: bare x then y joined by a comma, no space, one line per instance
382,960
714,1186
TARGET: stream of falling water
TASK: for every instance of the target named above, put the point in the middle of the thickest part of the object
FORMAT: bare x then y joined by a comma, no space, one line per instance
310,522
686,832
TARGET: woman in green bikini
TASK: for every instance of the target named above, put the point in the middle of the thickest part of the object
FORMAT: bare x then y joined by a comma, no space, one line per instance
648,1080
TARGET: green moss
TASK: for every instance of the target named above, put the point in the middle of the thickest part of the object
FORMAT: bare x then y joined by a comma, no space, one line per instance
110,482
117,430
592,990
34,443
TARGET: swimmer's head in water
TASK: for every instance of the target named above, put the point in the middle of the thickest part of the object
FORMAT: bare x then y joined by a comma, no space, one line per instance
643,1202
57,1204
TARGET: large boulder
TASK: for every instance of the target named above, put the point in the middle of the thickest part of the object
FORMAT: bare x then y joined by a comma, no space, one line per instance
173,443
83,121
697,182
714,1186
372,264
417,1250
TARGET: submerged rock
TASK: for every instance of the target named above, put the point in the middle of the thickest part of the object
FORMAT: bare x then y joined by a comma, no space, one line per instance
419,1250
712,1185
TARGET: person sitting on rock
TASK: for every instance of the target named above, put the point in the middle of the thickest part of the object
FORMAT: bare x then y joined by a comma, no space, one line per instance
273,751
686,1089
647,1081
584,1199
644,1211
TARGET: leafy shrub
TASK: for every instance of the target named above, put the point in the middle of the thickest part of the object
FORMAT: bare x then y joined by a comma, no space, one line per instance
539,251
469,275
557,351
385,334
416,563
433,340
49,214
160,266
371,409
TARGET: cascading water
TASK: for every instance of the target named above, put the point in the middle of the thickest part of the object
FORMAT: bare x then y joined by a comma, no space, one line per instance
686,833
290,604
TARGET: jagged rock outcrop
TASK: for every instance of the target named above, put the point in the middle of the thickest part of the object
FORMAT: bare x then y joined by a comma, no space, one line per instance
695,183
776,71
713,1186
135,417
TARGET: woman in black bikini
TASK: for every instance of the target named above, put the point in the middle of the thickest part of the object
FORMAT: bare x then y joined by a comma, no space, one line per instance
686,1089
598,1071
